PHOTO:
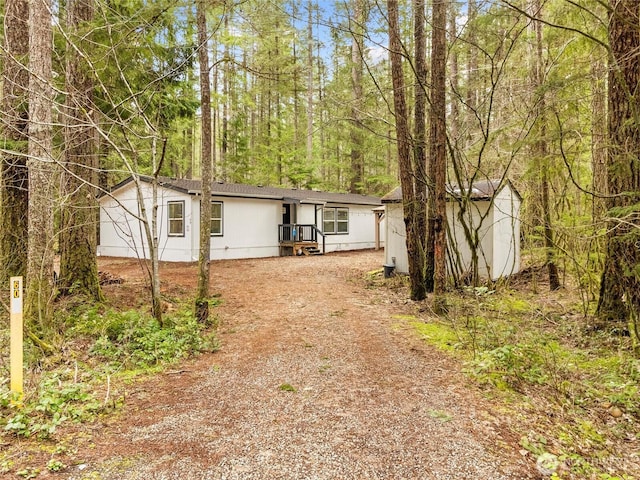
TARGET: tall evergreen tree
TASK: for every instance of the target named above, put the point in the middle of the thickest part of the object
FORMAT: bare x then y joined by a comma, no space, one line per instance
356,185
78,236
542,149
438,150
204,264
620,284
14,179
405,167
39,291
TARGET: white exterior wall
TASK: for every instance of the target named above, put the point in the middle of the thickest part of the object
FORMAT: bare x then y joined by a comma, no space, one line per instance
395,238
362,225
506,234
249,228
499,233
121,234
476,217
306,214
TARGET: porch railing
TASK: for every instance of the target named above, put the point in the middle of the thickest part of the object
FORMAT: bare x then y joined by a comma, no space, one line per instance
299,233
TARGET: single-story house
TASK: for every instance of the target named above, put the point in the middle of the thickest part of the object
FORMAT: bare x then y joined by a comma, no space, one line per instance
246,221
483,228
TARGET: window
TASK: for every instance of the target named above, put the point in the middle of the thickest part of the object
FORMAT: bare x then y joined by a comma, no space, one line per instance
336,220
216,218
176,219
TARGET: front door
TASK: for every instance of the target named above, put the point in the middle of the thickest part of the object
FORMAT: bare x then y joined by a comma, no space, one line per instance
286,214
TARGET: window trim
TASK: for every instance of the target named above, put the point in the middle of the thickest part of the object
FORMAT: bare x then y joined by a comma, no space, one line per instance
221,234
335,220
173,219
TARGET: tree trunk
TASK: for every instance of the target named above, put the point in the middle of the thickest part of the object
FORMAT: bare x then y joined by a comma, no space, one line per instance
204,265
598,140
409,201
438,152
78,240
420,144
14,178
224,140
310,86
543,155
356,184
39,291
619,301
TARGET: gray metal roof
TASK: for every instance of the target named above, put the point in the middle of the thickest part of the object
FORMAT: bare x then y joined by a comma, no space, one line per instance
480,190
221,189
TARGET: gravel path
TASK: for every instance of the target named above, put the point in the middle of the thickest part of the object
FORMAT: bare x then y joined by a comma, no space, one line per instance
370,401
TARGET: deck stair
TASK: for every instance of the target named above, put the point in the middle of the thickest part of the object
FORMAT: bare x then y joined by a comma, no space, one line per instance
300,239
311,250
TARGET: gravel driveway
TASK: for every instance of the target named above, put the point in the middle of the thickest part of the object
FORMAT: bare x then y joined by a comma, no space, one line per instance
318,377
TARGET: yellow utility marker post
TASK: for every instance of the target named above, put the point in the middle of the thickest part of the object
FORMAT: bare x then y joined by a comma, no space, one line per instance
16,358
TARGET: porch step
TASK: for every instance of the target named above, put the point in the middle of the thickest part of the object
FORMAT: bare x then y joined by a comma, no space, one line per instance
311,251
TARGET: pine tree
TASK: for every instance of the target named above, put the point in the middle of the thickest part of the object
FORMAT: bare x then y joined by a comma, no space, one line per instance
14,180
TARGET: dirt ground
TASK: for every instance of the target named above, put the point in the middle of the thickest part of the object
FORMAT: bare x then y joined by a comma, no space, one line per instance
318,377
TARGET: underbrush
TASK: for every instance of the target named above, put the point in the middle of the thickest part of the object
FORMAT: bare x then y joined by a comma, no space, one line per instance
99,350
572,392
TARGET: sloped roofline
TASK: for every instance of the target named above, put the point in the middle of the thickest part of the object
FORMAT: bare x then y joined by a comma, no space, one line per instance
222,189
481,190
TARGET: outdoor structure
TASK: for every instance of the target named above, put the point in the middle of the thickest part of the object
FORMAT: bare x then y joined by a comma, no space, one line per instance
483,230
246,221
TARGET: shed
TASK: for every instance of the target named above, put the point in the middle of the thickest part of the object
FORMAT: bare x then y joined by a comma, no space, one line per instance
483,232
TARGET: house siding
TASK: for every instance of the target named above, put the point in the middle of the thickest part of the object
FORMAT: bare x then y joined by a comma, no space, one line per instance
361,234
478,217
395,238
506,235
250,226
498,229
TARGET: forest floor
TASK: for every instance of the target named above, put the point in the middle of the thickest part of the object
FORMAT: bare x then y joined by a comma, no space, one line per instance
318,377
323,372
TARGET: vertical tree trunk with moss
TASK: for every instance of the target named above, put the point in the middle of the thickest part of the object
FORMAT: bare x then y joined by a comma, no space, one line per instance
356,184
542,151
438,151
421,182
78,239
14,179
619,302
598,140
39,291
403,139
310,85
204,264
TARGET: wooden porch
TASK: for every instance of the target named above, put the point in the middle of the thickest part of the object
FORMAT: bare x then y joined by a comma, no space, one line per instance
300,239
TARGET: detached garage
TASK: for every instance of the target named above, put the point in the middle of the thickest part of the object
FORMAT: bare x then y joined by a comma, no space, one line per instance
483,234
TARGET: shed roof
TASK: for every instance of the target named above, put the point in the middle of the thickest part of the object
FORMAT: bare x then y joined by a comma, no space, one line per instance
480,190
222,189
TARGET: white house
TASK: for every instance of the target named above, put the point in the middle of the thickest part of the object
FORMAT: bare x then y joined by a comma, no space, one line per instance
483,225
246,221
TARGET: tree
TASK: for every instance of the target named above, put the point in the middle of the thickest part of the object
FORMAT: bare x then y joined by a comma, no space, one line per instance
14,179
619,300
421,182
310,85
204,265
438,152
542,151
356,184
78,237
39,291
403,140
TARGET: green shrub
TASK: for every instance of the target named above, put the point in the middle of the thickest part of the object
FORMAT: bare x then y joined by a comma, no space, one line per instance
136,340
57,400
